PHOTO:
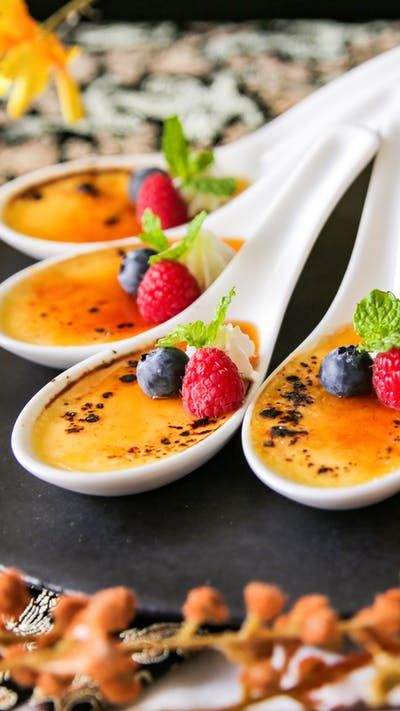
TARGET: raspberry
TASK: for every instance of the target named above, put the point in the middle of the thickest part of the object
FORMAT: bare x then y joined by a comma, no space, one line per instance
160,195
386,378
212,385
165,290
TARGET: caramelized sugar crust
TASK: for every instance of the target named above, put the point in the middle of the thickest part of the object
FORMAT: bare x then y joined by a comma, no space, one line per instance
76,302
91,206
314,438
104,421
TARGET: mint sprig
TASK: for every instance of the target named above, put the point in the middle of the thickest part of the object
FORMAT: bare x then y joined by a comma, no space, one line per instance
152,231
174,252
198,333
190,166
208,185
377,321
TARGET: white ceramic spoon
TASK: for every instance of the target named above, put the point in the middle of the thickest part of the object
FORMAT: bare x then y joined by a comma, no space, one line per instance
239,217
358,95
242,215
374,264
264,274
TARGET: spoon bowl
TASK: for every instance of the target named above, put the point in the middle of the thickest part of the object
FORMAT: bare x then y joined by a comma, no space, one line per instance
240,217
374,264
264,274
232,219
274,149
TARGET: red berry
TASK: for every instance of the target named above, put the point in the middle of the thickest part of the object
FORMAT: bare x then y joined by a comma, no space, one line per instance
212,385
165,290
386,378
160,195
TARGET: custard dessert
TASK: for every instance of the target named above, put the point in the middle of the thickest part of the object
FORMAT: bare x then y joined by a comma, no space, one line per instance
77,301
311,437
99,205
104,421
89,206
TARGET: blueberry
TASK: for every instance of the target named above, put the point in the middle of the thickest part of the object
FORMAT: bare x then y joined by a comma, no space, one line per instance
137,179
346,371
133,268
161,371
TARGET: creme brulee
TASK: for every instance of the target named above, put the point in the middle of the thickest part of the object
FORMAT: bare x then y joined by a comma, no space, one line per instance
77,301
104,421
311,437
92,206
89,206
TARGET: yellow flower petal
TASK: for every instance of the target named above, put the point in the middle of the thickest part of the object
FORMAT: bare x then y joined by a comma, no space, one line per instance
30,54
4,85
16,24
69,96
24,89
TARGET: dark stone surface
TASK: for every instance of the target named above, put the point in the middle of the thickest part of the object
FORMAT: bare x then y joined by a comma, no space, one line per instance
219,525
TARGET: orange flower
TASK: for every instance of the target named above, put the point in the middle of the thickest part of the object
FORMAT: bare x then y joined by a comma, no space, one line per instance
30,55
109,610
52,686
205,604
312,619
259,679
67,607
115,677
382,618
14,596
263,601
24,676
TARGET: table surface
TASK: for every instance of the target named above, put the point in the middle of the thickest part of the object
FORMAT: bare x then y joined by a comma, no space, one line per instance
220,524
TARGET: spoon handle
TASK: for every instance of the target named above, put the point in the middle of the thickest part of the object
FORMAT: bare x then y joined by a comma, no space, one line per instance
355,96
375,261
266,269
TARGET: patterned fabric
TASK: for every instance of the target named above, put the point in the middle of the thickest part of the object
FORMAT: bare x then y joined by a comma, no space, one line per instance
224,80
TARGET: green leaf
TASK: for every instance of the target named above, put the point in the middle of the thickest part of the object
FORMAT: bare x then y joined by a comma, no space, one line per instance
176,251
175,148
211,186
189,165
198,333
153,234
199,161
377,320
194,334
220,315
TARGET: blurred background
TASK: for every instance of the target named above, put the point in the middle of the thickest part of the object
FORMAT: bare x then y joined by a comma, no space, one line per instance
225,68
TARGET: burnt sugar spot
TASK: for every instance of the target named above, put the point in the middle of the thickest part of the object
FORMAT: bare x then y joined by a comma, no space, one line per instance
112,220
32,194
270,413
128,378
88,188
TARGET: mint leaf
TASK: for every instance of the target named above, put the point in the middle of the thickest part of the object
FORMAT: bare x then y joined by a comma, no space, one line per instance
176,251
194,334
211,186
377,320
198,333
220,316
199,161
175,148
152,232
189,165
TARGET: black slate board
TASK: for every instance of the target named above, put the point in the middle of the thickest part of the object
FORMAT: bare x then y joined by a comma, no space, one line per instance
218,525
